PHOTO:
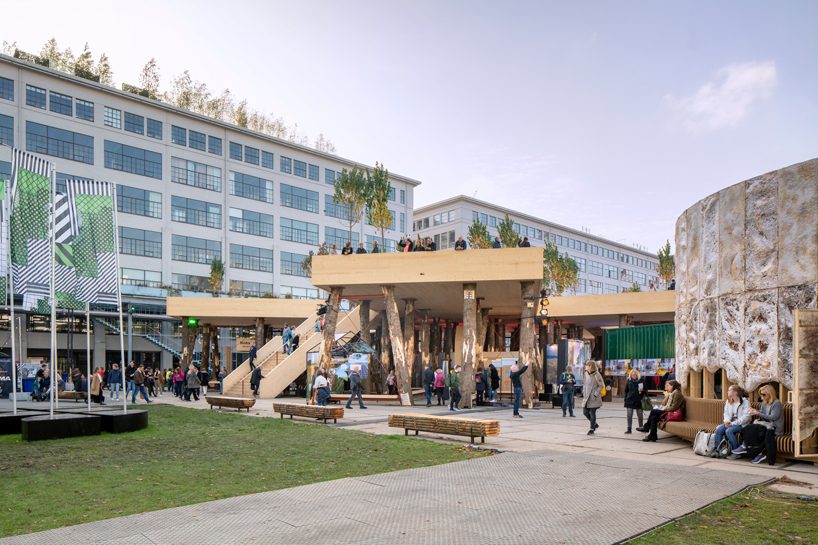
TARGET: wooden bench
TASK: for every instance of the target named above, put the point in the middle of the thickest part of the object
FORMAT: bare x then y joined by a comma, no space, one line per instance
76,396
318,412
446,425
707,414
231,402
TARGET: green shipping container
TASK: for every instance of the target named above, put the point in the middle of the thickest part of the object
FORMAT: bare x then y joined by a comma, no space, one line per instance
641,342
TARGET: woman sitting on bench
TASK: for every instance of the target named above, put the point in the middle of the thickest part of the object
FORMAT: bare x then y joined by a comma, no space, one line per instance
769,422
674,401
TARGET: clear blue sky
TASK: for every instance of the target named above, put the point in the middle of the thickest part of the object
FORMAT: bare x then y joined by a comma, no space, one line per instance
610,115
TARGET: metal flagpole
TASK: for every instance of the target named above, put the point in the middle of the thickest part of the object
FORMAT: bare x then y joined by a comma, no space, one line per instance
10,280
53,237
88,350
123,365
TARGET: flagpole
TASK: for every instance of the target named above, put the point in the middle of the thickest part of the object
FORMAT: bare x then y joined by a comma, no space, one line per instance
10,280
123,365
88,350
53,237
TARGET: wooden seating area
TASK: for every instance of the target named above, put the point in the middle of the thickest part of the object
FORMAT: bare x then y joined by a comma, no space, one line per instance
76,396
230,402
317,412
707,414
445,425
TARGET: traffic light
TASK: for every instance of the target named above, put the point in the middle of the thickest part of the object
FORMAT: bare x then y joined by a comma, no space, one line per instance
192,322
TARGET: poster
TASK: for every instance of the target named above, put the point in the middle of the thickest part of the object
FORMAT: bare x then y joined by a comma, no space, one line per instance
617,368
5,377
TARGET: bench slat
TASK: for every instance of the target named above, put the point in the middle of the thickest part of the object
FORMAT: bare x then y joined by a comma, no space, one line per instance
446,425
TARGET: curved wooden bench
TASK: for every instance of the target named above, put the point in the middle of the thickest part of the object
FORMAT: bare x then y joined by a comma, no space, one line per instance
231,402
446,425
76,396
318,412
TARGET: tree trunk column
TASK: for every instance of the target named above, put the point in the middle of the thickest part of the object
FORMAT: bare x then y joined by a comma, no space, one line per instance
363,319
470,342
259,333
409,337
330,321
528,346
425,342
206,330
398,349
492,335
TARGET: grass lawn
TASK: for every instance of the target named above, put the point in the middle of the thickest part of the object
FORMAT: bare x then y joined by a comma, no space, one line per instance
187,456
755,517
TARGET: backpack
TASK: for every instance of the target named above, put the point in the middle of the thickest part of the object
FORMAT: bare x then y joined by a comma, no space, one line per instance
705,445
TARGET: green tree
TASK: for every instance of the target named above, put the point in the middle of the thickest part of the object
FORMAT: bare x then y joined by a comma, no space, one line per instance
377,194
479,237
634,288
216,276
84,67
508,236
351,193
240,116
106,75
560,272
667,263
149,78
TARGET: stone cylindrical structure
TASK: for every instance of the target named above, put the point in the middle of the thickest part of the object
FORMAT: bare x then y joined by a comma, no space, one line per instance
746,257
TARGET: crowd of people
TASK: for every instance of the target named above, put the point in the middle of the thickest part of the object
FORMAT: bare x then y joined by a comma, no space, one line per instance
406,244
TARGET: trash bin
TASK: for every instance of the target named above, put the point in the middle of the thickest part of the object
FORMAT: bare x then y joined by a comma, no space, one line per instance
28,384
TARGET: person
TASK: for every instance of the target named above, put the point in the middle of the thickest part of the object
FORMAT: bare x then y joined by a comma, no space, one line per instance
356,389
635,392
517,387
674,400
296,340
430,245
736,416
454,389
567,383
193,383
460,244
495,381
525,243
255,380
375,248
479,385
361,249
418,245
149,382
75,377
169,379
159,379
670,375
333,250
428,383
390,382
222,374
760,436
178,382
440,383
405,244
347,249
96,388
496,243
139,384
592,394
321,388
115,381
672,285
204,378
129,372
252,355
42,384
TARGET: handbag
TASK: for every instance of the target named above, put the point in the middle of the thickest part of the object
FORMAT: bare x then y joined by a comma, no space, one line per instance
675,416
646,404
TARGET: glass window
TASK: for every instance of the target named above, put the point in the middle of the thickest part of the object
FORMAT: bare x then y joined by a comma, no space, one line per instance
392,194
403,196
178,135
112,117
595,267
330,176
195,174
300,168
285,164
291,264
300,293
299,231
133,160
197,140
388,245
339,237
195,250
334,210
251,223
611,271
301,199
7,130
402,222
5,170
140,242
35,97
250,155
138,277
134,123
196,212
235,151
267,160
155,129
59,143
251,258
84,110
7,89
580,263
189,282
214,145
251,187
313,172
131,200
60,104
249,288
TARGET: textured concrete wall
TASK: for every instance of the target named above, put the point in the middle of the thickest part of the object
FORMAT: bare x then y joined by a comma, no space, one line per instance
746,257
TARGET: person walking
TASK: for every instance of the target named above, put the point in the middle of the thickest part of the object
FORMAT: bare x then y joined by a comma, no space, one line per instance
115,381
567,383
96,388
454,389
252,356
129,372
356,389
517,387
495,381
139,384
440,383
428,383
255,380
674,400
193,383
592,394
635,392
295,342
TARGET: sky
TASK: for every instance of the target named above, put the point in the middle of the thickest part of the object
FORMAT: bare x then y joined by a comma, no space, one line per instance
609,116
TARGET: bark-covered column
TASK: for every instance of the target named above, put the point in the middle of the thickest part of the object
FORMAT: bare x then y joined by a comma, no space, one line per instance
189,335
402,376
215,357
484,327
259,333
425,342
470,342
409,337
206,348
528,347
491,341
328,334
445,345
386,345
434,342
363,318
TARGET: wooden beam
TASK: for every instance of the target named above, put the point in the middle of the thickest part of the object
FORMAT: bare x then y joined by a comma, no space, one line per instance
398,349
328,334
528,346
708,384
695,383
470,343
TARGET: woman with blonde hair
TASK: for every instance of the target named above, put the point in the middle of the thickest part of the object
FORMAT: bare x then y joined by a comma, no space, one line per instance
635,392
760,436
592,394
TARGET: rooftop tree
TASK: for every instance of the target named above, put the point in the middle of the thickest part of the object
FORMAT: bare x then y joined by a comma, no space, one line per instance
479,237
378,192
667,264
351,192
560,272
508,236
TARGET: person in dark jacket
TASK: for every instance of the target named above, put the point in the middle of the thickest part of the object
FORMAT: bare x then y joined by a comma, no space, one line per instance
361,249
453,382
494,377
496,243
428,383
255,380
480,385
405,244
253,352
347,249
460,244
525,243
635,392
355,389
114,381
129,372
517,386
567,383
375,248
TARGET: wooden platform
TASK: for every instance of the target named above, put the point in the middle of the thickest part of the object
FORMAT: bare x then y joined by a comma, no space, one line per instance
309,411
446,425
231,402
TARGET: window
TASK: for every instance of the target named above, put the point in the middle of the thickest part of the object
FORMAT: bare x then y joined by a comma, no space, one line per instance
301,199
134,160
492,221
334,210
140,202
611,271
35,97
84,110
611,288
60,104
300,168
178,135
251,187
595,287
313,172
250,155
392,194
251,258
7,130
196,212
580,263
195,250
291,264
59,143
595,267
253,289
112,118
300,293
235,151
134,123
251,223
582,285
139,242
330,176
5,170
403,196
339,237
267,160
214,145
195,174
138,277
7,89
197,140
189,282
154,129
389,246
402,222
640,278
285,165
299,231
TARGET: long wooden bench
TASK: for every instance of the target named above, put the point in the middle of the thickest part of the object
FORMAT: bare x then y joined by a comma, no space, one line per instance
445,425
707,414
318,412
230,402
76,396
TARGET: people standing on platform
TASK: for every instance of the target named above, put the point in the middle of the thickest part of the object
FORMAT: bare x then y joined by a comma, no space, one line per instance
495,381
592,394
115,381
635,392
517,387
255,380
454,389
428,383
356,389
139,384
674,400
347,250
333,250
525,243
460,244
440,383
567,383
361,249
129,372
496,243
